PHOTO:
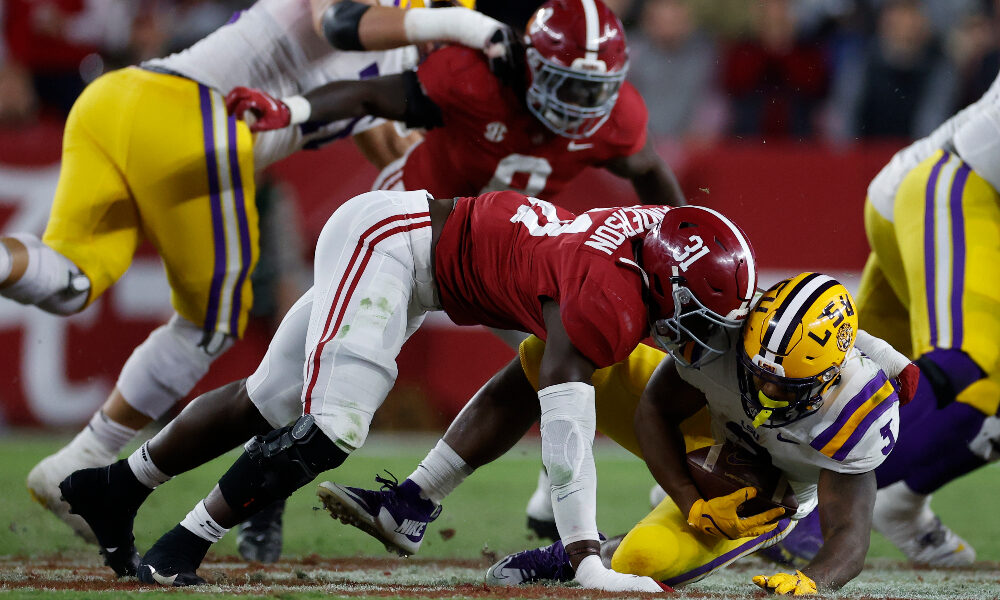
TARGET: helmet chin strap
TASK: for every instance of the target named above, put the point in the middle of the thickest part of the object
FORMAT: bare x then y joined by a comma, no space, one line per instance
768,405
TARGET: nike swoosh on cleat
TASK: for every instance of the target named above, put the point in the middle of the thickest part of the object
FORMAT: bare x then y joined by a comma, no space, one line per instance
160,579
111,550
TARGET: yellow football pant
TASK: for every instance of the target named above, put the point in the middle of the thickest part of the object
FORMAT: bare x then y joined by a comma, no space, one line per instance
662,546
149,155
930,281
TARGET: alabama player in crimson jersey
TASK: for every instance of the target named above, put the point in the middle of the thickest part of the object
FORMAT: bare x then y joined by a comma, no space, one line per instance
591,285
576,111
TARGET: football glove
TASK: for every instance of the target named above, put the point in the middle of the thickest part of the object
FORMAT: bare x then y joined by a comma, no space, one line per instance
784,584
717,517
908,379
261,111
505,55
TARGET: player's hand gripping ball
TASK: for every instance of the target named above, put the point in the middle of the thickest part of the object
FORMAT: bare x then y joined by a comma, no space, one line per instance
261,111
787,585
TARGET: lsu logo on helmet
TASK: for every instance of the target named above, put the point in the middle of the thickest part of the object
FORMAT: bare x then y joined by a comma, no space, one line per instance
795,339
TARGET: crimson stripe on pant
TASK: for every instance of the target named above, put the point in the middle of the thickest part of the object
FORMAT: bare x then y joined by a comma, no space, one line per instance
369,247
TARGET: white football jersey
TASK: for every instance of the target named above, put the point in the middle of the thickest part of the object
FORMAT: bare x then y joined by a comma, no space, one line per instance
882,189
273,46
852,432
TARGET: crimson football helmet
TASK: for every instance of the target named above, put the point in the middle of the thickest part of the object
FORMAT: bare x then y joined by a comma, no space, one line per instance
577,59
701,278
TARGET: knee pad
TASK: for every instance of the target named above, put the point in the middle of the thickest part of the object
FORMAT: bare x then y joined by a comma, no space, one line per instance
272,467
986,444
166,366
51,281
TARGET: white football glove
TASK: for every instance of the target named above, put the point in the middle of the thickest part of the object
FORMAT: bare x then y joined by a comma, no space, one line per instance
592,574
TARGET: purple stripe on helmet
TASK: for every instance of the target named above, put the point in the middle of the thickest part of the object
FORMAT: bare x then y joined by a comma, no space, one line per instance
958,254
244,227
864,425
929,253
876,383
723,560
218,235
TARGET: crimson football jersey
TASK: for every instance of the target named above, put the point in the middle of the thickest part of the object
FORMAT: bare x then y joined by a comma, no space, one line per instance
499,253
490,141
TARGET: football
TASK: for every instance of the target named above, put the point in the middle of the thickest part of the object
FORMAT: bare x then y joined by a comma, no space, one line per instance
724,468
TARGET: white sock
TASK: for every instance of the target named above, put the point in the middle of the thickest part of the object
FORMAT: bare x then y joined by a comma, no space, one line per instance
441,471
113,436
145,470
200,523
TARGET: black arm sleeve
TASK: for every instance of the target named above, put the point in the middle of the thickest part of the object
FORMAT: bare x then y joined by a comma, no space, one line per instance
340,24
421,111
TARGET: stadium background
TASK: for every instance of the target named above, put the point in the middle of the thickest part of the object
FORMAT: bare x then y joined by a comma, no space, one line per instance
777,113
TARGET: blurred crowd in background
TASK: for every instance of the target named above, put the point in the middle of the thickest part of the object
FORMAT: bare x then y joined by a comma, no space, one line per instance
816,70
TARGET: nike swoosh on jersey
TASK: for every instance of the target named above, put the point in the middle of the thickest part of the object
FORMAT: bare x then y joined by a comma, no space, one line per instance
786,440
573,146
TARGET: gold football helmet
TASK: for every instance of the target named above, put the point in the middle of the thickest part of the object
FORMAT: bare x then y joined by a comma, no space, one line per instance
794,344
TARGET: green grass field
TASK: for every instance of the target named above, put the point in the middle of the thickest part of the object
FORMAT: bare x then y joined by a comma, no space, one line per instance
484,517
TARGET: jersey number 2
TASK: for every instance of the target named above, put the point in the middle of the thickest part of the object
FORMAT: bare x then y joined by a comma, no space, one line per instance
549,223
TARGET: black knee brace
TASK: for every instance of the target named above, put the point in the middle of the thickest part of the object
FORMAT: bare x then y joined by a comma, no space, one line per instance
340,24
273,466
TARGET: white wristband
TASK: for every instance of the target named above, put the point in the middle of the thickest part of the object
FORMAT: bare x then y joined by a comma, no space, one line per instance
299,109
455,24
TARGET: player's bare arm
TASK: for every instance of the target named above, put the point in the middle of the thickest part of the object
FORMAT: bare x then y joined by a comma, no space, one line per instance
845,512
652,178
562,363
665,403
394,97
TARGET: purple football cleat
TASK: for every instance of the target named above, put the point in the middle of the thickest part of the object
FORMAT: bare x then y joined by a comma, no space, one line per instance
396,515
550,563
801,544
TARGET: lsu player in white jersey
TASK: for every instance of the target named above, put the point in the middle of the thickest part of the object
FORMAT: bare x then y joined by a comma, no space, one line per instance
793,389
930,289
149,152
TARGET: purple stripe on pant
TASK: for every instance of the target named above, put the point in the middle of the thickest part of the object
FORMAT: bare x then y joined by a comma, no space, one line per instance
740,551
244,227
929,254
958,254
218,234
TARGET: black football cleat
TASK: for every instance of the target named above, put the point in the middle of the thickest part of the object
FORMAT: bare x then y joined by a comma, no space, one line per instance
173,559
108,498
259,537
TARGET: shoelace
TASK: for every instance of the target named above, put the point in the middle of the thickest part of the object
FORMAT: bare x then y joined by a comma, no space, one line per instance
392,485
388,485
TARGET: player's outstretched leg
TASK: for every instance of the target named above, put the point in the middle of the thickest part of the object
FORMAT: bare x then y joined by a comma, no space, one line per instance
260,536
271,468
550,563
905,518
107,498
396,514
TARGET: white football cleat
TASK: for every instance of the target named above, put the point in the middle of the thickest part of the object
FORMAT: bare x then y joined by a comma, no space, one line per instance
905,518
43,482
